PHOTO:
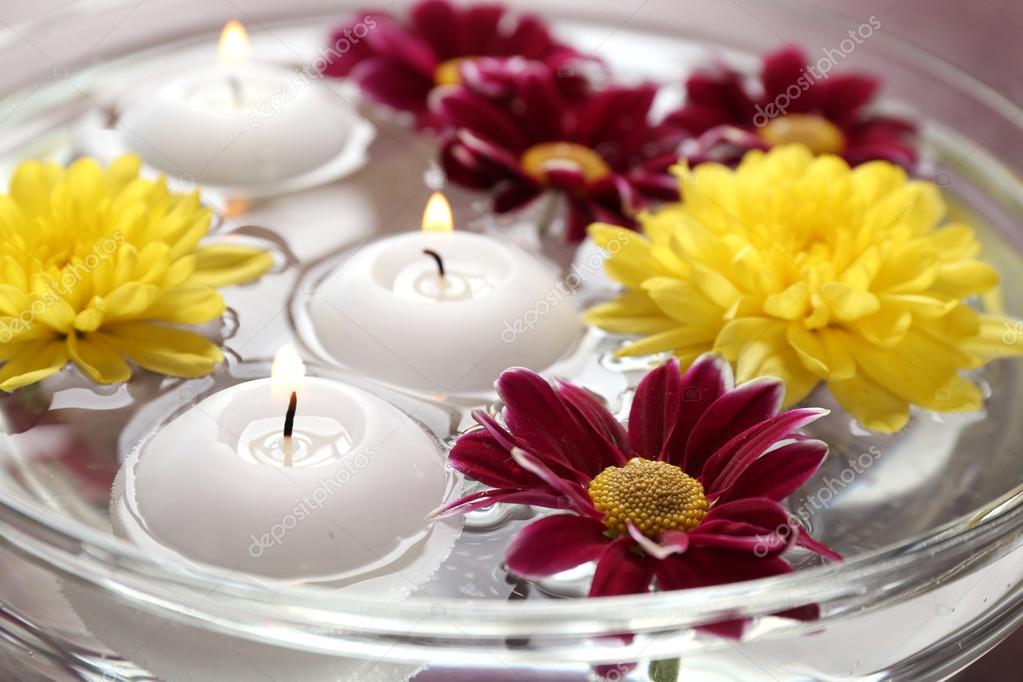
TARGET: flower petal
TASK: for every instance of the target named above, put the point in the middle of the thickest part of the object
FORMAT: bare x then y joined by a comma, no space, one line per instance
779,473
655,409
479,456
554,544
540,421
592,412
163,349
621,571
222,265
96,360
572,492
730,415
726,465
488,498
671,542
706,380
32,362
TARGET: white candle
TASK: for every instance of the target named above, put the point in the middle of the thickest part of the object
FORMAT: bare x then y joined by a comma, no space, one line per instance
223,484
238,124
389,313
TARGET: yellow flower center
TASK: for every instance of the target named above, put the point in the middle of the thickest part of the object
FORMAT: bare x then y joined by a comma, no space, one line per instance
541,158
653,496
819,134
449,71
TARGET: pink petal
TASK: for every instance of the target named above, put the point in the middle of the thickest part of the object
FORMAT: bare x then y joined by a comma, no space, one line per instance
339,63
500,160
842,96
464,168
553,459
514,197
480,25
437,22
543,423
671,542
396,44
655,409
726,465
488,498
807,541
730,415
621,571
392,84
696,119
568,179
580,216
757,510
554,544
708,567
782,69
479,456
591,411
460,108
530,38
540,100
706,380
779,473
574,494
722,92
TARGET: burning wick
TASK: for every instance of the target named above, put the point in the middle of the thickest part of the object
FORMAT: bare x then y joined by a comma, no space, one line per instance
289,427
436,257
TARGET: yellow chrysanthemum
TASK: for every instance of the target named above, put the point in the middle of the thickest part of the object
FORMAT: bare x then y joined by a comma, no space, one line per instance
800,267
99,266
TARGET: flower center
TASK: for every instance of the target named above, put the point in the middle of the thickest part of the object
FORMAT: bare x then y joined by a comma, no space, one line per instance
541,158
818,133
449,71
653,496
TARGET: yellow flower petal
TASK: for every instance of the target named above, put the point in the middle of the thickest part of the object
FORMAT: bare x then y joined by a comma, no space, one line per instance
189,304
226,264
633,312
870,404
96,360
964,278
32,362
163,349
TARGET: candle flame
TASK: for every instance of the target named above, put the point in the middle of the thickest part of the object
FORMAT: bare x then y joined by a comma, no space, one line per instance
437,216
287,370
234,44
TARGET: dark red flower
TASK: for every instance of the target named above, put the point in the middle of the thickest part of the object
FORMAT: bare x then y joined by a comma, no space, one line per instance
687,495
792,101
397,63
512,130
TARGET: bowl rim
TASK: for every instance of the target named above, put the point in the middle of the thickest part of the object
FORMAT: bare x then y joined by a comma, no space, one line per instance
864,582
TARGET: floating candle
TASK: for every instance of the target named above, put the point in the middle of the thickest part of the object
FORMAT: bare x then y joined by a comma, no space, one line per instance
443,312
241,124
283,477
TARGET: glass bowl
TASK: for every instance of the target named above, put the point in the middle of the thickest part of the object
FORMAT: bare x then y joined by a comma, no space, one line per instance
930,519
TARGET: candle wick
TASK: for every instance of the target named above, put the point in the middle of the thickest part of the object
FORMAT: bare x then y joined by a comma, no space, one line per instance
436,257
289,417
237,94
289,428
